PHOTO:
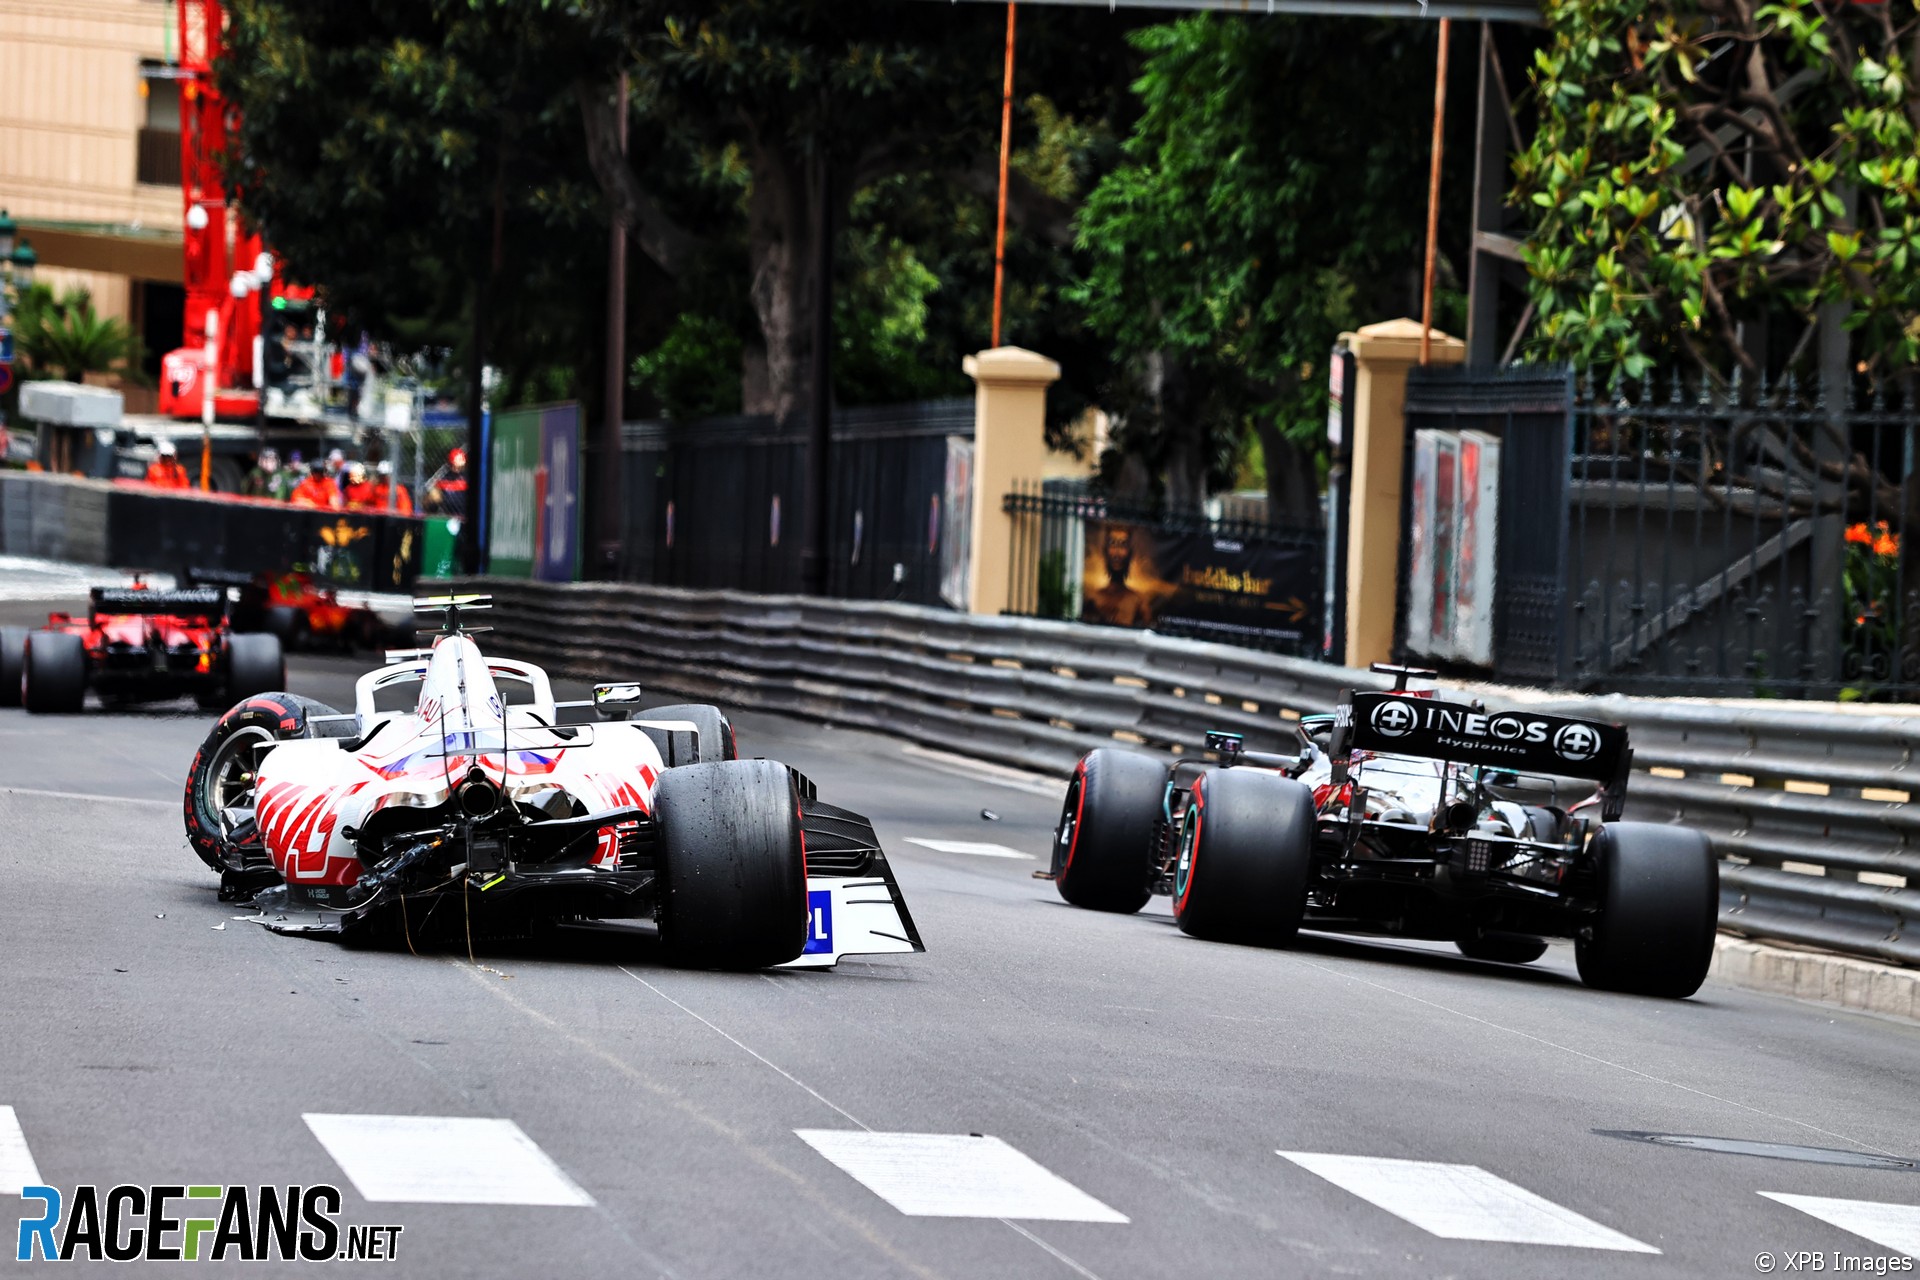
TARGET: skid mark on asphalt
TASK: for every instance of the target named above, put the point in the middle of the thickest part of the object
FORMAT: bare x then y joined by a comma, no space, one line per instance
17,1168
976,848
1891,1226
82,795
765,1159
443,1160
869,1130
951,1175
1462,1202
1597,1060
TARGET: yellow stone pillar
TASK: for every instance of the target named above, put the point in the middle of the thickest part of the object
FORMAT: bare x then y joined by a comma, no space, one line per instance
1383,354
1009,444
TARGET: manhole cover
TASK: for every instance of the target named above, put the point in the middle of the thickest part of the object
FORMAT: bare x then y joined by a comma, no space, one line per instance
1765,1150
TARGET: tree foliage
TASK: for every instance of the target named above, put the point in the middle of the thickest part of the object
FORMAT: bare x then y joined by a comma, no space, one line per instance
1267,202
64,337
1701,167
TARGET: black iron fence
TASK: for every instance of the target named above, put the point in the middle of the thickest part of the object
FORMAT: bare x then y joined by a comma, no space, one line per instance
1746,540
720,503
1079,555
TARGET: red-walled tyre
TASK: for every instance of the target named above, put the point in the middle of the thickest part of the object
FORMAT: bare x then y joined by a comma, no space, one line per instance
1246,849
219,798
1103,847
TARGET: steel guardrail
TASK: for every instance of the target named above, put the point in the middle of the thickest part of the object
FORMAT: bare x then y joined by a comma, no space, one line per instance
1811,809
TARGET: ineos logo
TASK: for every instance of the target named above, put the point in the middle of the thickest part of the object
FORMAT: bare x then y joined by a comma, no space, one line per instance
1393,719
1577,743
1507,728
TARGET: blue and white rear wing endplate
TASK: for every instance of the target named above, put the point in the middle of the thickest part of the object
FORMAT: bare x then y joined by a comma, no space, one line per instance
864,916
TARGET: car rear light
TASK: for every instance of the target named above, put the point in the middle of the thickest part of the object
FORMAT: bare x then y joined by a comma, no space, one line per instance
1479,857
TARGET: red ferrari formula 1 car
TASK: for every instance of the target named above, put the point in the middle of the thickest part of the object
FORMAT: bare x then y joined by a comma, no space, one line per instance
138,645
304,612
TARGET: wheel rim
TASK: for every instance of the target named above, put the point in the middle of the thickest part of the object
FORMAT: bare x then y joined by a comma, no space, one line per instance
228,797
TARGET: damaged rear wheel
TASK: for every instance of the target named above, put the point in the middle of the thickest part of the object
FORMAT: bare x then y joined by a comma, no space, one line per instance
220,800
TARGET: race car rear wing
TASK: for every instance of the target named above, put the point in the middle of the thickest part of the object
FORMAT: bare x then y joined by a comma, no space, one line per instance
1461,733
190,602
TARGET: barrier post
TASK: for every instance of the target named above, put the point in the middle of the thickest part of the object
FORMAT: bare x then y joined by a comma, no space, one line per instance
1009,444
1383,355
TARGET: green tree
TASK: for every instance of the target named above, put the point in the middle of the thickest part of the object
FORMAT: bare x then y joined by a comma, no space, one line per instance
1707,174
1266,203
64,337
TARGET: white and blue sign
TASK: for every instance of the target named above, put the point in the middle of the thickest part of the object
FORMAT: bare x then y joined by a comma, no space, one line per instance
819,922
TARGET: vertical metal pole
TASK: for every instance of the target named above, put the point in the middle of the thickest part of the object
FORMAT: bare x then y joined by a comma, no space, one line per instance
209,381
1006,142
1489,182
819,474
1433,191
611,461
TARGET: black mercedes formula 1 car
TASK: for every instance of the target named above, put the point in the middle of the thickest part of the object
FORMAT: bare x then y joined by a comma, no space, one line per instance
1405,816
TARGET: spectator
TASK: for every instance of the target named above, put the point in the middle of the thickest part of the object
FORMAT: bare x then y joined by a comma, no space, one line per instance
317,490
359,490
165,470
447,491
385,495
290,477
264,480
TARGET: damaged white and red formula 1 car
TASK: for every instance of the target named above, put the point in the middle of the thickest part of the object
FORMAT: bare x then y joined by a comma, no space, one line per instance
469,811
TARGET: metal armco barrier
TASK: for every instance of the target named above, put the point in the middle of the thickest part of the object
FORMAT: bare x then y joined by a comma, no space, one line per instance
135,527
1810,810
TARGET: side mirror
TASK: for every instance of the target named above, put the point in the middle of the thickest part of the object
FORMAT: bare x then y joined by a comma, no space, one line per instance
1229,745
616,701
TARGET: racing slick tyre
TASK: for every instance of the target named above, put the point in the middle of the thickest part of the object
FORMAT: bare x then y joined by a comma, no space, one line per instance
255,664
1246,848
219,799
1104,843
715,736
1659,907
1505,948
286,624
55,672
13,655
732,866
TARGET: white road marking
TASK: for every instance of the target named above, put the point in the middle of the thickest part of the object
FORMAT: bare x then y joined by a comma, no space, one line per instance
87,796
955,1175
443,1160
17,1168
1891,1226
1462,1202
974,847
999,775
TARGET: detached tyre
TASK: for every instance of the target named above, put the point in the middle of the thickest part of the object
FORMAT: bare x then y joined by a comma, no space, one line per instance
54,668
714,739
1659,908
220,800
1103,847
1246,849
13,657
255,664
732,868
1506,948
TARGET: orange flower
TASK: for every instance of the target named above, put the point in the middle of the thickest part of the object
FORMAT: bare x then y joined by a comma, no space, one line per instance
1858,533
1886,544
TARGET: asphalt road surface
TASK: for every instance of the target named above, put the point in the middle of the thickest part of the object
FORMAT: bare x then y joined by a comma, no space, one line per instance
1106,1097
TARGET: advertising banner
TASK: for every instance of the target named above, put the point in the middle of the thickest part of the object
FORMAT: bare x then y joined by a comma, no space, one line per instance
533,509
1197,583
1454,516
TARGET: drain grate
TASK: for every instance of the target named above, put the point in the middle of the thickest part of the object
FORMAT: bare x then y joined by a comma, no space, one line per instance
1765,1150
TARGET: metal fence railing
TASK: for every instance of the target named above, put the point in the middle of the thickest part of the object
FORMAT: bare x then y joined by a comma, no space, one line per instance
1812,809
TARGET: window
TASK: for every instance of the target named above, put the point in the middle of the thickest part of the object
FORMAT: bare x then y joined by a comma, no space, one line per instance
158,147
